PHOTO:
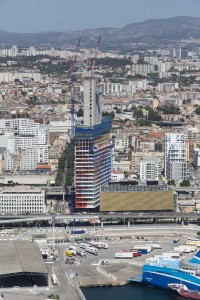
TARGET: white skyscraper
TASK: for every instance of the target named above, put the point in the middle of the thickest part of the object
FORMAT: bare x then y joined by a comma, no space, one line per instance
175,156
92,103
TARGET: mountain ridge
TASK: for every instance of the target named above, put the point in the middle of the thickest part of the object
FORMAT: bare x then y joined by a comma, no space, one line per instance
156,30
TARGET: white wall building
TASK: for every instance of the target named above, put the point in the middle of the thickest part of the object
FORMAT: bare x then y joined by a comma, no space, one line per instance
7,140
9,161
19,200
117,176
175,156
150,168
11,76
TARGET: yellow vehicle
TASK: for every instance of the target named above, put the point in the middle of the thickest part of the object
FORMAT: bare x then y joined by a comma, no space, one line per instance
69,253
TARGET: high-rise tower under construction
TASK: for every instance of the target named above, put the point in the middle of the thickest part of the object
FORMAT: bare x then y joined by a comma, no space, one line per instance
92,150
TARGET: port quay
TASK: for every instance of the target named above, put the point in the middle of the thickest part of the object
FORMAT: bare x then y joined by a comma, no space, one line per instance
67,273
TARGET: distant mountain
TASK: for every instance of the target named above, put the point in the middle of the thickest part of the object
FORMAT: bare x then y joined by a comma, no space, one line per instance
156,31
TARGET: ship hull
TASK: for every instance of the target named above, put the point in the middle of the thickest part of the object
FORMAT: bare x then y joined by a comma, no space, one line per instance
162,281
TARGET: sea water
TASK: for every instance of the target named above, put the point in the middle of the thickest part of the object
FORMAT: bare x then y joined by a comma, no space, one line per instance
128,292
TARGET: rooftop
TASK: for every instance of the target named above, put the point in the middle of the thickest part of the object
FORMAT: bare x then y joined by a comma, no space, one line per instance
21,257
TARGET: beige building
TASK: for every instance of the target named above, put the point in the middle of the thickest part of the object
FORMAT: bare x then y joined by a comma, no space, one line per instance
190,146
138,156
137,201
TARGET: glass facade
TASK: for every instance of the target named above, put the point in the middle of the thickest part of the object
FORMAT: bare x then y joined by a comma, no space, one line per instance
92,163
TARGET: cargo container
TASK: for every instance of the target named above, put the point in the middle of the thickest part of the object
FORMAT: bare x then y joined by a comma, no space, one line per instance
141,247
154,246
78,231
171,254
91,250
185,248
125,254
197,243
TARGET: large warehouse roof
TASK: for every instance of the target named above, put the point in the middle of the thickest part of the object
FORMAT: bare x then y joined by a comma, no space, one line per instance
137,201
21,257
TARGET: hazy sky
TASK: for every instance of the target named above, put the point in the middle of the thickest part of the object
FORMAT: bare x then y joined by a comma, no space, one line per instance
64,15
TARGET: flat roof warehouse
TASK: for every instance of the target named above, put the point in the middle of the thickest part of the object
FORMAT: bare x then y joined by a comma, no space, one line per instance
21,264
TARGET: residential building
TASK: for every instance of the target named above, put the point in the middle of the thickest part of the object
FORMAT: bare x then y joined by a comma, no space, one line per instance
175,156
150,168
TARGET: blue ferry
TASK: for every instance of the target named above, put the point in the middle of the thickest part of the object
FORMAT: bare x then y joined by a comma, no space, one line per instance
163,271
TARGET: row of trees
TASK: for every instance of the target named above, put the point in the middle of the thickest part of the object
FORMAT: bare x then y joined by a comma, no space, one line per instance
184,182
153,115
65,163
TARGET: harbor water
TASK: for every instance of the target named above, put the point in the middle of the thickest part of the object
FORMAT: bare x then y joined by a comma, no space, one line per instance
128,292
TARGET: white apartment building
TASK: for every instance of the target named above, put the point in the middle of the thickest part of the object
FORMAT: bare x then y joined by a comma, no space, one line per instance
122,143
24,141
175,156
19,200
7,141
192,134
15,125
11,76
9,161
30,157
143,68
150,168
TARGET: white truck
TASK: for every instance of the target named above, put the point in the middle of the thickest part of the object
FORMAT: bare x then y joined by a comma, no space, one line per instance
54,279
84,245
91,250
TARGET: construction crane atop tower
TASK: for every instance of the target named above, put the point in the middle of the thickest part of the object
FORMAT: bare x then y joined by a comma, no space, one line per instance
91,65
73,69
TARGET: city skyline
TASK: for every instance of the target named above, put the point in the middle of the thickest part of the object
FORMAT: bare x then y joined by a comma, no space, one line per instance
68,15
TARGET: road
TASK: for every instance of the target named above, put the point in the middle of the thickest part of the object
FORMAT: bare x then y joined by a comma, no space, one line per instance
101,216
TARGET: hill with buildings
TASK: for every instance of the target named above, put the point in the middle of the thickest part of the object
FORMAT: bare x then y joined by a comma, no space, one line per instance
150,31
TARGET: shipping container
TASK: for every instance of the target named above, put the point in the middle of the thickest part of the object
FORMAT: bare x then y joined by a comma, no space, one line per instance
124,255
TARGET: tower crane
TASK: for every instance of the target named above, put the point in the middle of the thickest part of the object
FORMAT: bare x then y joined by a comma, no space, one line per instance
73,69
72,82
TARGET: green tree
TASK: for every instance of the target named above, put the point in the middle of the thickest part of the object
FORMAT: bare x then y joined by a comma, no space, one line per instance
185,182
108,114
80,112
153,115
144,122
171,182
137,113
197,110
170,110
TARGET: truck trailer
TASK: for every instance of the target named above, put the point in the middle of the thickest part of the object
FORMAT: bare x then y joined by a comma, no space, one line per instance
91,250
